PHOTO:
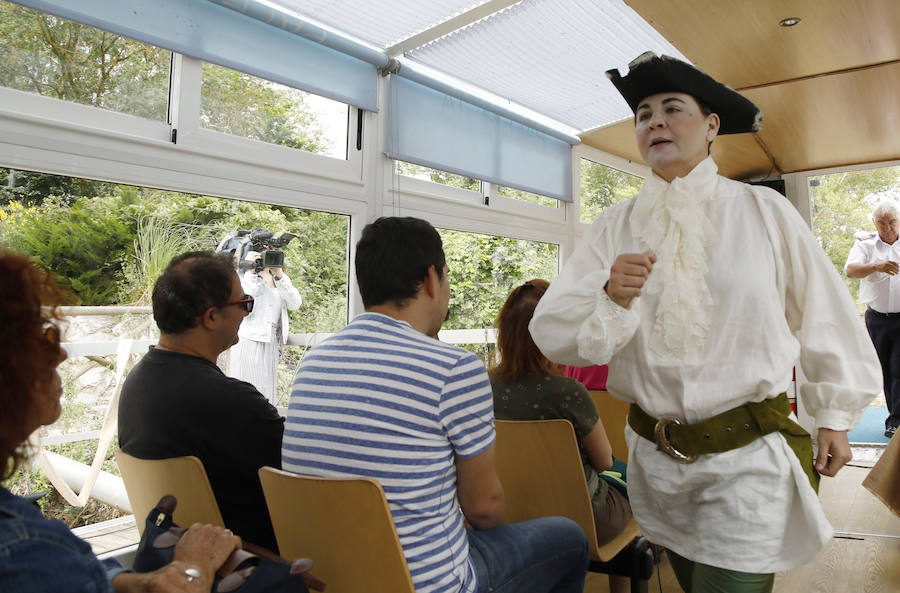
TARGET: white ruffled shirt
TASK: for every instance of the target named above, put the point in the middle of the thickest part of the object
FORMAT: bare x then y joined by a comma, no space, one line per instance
769,297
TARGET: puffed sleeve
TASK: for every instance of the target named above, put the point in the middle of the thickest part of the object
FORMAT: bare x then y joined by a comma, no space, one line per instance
836,354
575,322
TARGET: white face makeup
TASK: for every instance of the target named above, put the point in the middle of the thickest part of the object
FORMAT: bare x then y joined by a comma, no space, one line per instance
672,133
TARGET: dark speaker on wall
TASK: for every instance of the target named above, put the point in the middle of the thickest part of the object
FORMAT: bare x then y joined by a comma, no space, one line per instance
776,184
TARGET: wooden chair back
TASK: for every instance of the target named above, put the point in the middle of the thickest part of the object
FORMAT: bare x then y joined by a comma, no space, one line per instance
540,468
614,415
343,524
148,480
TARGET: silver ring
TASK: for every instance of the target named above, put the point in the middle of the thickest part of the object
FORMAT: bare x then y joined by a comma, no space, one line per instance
191,574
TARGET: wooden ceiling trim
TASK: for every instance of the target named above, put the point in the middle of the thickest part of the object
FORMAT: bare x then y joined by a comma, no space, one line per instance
823,74
821,122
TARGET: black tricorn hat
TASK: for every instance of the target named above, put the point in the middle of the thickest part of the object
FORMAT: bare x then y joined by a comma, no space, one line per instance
649,74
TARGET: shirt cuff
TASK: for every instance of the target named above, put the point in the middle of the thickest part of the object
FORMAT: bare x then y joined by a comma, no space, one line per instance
113,568
607,329
838,419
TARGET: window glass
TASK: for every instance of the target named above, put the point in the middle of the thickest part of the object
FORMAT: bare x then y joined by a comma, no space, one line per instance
54,57
841,207
483,271
525,196
107,244
243,105
603,186
436,176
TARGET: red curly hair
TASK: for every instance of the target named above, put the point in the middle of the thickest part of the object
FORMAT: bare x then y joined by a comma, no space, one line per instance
517,351
28,351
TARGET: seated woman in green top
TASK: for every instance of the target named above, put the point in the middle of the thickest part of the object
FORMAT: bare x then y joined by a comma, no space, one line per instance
527,386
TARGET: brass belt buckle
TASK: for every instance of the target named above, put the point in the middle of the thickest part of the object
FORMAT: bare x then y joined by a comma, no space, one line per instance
661,436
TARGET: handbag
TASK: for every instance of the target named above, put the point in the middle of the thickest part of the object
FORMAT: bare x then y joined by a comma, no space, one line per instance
252,569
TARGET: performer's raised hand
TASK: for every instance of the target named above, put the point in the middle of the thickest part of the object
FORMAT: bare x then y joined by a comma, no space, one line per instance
627,276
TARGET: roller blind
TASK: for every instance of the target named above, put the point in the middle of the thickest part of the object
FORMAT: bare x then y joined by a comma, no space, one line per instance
284,50
429,127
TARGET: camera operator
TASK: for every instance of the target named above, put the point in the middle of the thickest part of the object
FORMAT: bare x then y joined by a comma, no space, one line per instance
264,332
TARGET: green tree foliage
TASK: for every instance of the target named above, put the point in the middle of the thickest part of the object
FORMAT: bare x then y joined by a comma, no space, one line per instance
54,57
236,103
82,242
841,208
603,186
437,176
525,196
31,188
485,268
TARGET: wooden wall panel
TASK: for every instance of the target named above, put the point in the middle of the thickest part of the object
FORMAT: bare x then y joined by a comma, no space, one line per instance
842,119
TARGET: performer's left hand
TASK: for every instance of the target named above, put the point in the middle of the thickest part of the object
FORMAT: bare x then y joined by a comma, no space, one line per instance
834,451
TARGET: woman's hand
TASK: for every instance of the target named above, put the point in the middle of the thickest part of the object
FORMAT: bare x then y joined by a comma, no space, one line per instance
834,451
198,554
627,276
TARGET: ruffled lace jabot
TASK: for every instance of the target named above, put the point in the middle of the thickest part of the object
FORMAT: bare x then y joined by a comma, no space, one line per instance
669,220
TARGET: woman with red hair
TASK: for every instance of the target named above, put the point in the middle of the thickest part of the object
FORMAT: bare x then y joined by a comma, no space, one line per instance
528,386
37,554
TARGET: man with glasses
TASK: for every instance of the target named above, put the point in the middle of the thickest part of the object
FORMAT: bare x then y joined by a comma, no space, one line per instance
177,402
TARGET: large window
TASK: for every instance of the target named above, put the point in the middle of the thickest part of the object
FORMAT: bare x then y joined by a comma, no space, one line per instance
108,243
603,186
841,205
54,57
484,269
236,103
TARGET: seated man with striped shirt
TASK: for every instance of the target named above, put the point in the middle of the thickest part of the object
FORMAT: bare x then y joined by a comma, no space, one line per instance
381,399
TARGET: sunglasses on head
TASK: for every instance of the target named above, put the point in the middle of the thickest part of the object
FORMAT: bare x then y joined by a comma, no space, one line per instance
246,303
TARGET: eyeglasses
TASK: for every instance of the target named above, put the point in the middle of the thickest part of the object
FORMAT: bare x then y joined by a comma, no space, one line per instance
246,303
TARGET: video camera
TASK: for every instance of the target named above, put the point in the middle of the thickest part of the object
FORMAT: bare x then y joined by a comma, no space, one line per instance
263,241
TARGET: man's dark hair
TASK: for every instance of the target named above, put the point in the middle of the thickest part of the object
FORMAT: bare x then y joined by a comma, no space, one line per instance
191,283
392,259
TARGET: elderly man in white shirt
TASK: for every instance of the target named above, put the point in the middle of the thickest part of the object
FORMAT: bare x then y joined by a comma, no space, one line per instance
701,293
873,260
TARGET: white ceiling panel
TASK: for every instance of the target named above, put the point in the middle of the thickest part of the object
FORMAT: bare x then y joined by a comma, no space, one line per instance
381,23
550,56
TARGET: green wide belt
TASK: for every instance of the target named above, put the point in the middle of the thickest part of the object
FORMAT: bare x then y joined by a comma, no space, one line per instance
726,431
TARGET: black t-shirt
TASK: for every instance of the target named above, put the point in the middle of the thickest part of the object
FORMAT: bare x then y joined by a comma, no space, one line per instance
175,404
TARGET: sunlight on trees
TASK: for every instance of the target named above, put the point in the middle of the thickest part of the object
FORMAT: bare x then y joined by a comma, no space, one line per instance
236,103
50,56
484,269
603,186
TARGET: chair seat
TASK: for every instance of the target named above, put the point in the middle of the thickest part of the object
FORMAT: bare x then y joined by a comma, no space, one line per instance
343,524
540,467
148,480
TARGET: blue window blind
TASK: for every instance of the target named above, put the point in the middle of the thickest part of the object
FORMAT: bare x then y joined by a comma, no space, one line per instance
433,128
233,34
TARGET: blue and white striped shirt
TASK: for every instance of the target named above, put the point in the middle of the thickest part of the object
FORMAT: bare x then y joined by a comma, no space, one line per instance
382,400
